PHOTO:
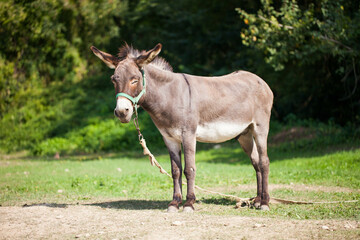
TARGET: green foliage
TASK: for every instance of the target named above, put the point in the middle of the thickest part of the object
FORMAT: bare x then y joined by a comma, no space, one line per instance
44,49
315,46
100,136
305,36
53,90
103,136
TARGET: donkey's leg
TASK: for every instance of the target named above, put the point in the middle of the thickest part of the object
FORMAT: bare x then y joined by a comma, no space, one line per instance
261,133
189,145
247,143
176,170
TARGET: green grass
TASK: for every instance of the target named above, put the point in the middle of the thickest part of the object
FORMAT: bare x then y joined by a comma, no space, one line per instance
129,181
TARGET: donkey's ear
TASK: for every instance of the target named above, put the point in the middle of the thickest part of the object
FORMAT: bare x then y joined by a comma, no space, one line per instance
108,59
148,56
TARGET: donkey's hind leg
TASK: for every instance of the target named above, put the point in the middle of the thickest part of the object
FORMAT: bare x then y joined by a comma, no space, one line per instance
248,144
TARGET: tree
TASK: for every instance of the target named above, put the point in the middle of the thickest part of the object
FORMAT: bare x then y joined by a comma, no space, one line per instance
323,35
44,46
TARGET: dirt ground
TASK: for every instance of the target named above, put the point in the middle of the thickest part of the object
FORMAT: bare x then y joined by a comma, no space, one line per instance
92,221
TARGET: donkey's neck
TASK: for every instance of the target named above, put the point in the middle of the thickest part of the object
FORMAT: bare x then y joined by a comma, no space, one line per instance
159,76
164,91
158,81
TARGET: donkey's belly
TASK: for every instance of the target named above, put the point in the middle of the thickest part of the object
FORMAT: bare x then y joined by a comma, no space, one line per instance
219,131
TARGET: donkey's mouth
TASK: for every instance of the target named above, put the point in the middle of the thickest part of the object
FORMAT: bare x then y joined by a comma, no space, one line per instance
124,118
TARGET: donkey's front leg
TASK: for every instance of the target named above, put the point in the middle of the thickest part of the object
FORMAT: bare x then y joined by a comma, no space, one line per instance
174,148
189,145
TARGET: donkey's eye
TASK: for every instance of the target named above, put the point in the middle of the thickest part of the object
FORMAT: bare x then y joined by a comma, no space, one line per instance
134,81
113,78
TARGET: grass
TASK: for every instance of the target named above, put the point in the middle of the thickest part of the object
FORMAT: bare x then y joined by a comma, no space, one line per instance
129,181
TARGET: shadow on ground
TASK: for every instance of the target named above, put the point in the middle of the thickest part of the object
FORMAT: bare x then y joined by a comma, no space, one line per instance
52,205
133,204
219,201
154,204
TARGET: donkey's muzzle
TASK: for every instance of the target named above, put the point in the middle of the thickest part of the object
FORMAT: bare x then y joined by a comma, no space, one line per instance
124,109
124,115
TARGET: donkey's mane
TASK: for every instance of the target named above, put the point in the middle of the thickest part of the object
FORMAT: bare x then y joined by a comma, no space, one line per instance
127,51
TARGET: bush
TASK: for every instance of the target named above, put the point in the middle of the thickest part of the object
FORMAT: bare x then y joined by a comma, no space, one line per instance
101,136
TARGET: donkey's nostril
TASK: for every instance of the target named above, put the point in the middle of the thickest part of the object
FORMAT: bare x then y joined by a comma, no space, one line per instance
116,113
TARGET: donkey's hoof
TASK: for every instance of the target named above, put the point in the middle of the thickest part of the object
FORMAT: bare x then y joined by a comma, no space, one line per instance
188,209
172,209
265,208
257,205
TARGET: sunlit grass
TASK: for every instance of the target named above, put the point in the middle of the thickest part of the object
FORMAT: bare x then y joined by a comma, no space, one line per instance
75,180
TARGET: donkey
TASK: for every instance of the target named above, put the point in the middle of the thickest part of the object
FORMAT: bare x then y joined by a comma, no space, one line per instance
187,109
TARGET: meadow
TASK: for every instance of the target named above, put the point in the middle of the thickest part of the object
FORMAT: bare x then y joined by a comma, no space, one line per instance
296,173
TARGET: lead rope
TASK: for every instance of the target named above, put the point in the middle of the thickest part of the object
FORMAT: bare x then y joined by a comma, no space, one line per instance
240,202
147,152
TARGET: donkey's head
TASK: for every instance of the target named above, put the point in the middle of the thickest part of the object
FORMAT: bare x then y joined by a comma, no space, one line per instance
128,78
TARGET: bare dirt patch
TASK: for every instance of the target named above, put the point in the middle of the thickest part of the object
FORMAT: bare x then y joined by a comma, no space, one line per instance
292,134
52,221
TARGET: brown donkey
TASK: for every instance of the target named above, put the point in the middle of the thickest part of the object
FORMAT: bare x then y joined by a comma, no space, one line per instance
187,108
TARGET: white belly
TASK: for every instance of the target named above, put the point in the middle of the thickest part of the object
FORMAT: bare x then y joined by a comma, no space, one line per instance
219,131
